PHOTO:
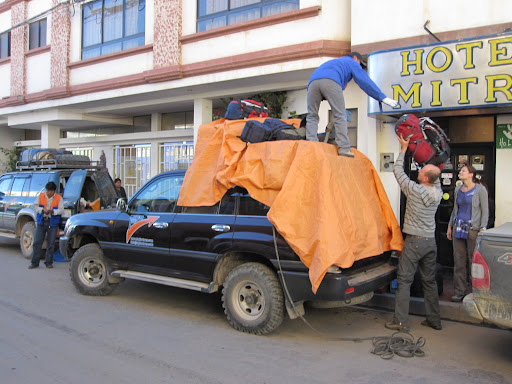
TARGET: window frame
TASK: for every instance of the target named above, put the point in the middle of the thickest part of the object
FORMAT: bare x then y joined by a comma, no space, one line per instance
231,11
5,39
41,39
107,47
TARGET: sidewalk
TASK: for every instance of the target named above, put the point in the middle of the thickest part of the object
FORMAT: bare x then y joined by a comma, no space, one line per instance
449,311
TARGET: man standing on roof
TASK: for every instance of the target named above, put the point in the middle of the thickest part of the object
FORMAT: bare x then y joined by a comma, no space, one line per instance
420,249
49,207
327,83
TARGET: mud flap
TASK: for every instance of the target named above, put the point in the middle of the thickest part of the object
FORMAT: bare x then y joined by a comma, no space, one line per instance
295,310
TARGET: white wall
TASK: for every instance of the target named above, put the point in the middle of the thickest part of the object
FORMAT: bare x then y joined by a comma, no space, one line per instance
112,69
38,72
396,19
503,197
5,83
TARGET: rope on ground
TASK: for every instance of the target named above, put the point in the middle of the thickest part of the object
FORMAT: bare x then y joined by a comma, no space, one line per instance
400,343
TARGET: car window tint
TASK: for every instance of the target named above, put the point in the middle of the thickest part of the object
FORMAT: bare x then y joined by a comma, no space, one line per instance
5,184
227,204
249,206
158,196
212,210
18,186
37,183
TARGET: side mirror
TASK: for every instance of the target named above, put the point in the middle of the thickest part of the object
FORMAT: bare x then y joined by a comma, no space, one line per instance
121,205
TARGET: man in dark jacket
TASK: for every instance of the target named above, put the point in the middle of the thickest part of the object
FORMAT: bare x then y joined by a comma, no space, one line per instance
327,83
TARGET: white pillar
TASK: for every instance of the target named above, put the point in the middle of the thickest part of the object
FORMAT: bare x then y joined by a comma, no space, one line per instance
50,136
156,125
156,122
202,114
388,144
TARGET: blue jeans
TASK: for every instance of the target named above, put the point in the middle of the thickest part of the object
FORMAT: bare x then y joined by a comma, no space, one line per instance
331,91
418,252
41,232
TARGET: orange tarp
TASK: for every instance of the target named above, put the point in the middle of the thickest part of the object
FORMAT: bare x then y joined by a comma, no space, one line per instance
332,210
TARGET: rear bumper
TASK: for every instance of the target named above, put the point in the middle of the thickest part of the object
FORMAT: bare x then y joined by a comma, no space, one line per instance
490,308
337,286
471,308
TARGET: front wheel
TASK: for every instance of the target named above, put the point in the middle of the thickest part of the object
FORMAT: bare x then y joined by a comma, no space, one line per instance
27,237
89,271
253,299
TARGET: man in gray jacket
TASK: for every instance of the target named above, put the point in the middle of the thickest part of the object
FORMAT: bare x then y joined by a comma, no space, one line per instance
420,249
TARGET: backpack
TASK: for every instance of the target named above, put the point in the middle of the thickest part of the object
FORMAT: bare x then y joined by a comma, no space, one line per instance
241,109
428,143
271,129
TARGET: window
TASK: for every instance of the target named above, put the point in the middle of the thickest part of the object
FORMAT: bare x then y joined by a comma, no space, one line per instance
5,45
160,196
37,34
111,26
20,186
219,13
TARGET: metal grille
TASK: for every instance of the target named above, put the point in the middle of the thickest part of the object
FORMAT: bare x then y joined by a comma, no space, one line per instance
132,164
174,156
81,151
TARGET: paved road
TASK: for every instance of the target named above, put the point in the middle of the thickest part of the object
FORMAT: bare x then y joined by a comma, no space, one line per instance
145,333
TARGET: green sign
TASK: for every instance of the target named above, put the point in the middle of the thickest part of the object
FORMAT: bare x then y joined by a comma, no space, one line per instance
504,136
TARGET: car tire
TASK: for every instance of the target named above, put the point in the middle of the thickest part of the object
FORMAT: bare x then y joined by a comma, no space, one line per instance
253,299
27,237
89,271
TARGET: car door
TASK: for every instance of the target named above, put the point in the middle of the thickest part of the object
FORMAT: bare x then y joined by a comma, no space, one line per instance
106,188
18,199
199,235
141,237
5,189
73,190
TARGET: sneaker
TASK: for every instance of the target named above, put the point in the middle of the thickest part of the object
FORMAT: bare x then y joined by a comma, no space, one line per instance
396,326
457,298
32,266
345,153
49,265
427,323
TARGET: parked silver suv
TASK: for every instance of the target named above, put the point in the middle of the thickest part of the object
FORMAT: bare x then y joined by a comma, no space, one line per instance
19,189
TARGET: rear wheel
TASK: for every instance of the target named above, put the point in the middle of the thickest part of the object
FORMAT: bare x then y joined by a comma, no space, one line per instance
27,237
253,299
89,271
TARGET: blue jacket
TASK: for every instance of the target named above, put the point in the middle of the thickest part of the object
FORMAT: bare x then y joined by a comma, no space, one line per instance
344,69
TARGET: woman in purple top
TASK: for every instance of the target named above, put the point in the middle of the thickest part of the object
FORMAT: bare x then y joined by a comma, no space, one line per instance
469,216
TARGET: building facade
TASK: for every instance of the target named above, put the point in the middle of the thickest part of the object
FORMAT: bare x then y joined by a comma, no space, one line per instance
134,79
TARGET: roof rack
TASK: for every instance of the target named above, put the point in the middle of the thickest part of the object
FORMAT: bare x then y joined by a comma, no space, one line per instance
50,164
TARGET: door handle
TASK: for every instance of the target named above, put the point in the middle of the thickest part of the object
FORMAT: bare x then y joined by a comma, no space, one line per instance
160,225
221,228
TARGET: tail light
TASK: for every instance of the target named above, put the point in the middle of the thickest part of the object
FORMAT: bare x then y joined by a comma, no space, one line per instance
480,272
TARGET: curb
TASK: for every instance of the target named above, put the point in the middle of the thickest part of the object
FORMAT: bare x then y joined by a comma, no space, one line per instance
449,311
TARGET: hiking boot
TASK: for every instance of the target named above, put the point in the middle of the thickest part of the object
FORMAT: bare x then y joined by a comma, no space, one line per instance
397,326
427,323
457,298
49,265
348,153
32,266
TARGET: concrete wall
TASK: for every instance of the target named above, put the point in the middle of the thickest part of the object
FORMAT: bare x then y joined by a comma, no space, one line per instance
397,19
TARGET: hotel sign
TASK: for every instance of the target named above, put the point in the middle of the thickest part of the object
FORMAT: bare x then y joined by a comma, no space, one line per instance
449,75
